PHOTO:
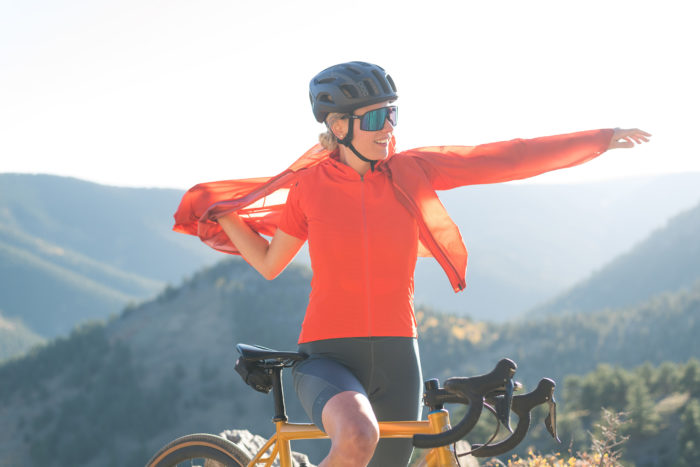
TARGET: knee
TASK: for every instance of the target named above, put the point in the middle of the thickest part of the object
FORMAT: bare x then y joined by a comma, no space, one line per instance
350,423
359,436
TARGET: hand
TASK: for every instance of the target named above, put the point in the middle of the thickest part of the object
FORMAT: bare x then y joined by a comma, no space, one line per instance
628,138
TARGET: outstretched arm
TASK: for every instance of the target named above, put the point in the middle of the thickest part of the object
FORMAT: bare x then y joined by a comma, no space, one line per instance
627,138
451,166
268,258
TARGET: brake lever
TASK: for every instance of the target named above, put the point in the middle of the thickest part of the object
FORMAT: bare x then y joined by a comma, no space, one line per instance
550,422
522,406
501,405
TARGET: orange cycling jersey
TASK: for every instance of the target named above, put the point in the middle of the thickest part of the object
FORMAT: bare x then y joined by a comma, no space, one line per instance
363,246
362,282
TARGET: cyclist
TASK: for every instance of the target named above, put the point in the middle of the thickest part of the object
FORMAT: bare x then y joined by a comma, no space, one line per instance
367,214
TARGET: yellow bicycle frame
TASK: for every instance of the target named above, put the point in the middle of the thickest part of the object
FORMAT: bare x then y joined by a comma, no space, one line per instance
438,421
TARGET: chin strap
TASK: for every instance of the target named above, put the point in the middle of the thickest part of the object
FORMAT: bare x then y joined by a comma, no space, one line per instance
347,142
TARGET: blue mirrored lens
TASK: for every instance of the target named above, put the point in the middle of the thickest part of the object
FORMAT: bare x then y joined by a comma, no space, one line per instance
374,119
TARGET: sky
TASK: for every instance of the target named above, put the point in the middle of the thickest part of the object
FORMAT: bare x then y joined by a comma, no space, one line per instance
156,93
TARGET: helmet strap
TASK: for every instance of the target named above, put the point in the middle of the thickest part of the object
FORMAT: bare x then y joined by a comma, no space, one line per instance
347,142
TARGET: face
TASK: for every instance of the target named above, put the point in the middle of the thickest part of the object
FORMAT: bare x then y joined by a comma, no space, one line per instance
373,145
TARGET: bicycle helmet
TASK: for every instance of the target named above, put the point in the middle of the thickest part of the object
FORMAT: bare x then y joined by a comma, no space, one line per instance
348,86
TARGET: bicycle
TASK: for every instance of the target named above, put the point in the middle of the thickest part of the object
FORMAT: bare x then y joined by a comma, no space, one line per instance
493,391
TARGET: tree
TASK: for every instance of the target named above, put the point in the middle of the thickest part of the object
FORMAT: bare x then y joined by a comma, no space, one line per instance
643,418
666,379
690,378
689,435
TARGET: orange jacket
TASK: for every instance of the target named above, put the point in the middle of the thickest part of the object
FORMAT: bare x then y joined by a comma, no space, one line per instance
415,174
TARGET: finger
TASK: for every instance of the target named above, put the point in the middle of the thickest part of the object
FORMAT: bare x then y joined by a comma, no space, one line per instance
636,135
633,131
639,139
639,133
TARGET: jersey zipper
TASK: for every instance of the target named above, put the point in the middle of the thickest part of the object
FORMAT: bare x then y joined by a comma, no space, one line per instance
365,249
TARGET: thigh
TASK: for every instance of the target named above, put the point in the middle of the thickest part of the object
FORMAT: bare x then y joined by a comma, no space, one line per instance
317,380
395,395
397,382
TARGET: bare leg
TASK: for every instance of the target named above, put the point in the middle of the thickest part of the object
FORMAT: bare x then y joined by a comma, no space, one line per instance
350,423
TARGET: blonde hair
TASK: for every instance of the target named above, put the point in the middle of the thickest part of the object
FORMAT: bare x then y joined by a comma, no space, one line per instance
327,139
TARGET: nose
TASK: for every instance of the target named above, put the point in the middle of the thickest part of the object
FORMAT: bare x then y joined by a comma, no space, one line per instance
387,125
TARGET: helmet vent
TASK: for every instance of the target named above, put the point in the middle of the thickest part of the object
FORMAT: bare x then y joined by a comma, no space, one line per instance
325,97
353,69
391,83
349,91
381,80
325,80
370,86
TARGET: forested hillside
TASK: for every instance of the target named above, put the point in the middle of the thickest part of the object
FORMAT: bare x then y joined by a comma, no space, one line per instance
653,412
667,260
111,395
661,329
15,337
51,289
661,407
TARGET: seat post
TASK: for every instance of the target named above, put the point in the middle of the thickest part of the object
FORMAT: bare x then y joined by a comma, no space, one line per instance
278,395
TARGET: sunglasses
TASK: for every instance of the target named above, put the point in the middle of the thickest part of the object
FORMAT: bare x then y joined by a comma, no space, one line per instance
374,119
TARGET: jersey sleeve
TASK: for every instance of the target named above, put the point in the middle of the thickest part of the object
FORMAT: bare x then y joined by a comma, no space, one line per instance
451,166
293,220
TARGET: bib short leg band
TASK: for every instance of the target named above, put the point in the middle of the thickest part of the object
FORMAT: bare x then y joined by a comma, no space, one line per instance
384,369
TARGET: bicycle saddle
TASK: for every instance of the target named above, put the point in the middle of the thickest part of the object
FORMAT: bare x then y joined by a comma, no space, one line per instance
257,353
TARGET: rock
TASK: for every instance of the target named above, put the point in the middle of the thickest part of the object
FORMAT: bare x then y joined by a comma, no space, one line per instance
251,444
465,461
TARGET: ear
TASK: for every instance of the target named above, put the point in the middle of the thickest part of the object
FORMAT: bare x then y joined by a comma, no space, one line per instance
340,127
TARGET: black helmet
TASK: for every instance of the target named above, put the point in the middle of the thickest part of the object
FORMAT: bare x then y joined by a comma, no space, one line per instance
349,86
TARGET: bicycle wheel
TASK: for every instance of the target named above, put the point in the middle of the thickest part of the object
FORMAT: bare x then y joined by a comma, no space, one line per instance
200,450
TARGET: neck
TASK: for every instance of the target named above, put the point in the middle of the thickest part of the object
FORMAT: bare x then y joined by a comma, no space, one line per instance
348,158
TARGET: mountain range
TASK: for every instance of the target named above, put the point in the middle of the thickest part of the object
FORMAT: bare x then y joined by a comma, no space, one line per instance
72,251
669,259
112,393
528,243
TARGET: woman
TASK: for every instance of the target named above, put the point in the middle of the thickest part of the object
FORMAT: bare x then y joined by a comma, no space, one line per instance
367,214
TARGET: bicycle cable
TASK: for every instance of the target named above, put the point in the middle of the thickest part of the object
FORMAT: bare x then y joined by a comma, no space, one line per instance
495,433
